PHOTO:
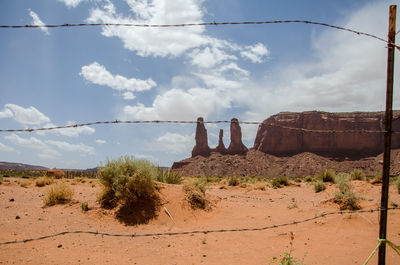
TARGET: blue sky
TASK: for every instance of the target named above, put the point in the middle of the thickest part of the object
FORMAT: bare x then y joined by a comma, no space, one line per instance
53,77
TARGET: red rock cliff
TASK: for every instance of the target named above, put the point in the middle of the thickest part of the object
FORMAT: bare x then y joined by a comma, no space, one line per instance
281,141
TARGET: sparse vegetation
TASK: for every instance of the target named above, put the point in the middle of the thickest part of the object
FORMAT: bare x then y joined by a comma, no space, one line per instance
169,176
233,181
346,198
128,181
398,184
84,206
287,258
327,175
308,178
357,174
43,181
195,194
58,193
319,186
1,179
279,182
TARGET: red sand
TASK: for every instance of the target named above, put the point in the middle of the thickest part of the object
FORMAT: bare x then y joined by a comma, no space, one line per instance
334,239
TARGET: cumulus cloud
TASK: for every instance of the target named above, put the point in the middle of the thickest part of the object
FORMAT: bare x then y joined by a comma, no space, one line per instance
255,53
175,143
65,146
160,42
25,116
180,104
69,132
99,75
36,21
44,151
209,57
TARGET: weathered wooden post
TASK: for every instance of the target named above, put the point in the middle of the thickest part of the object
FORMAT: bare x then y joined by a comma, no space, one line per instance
388,135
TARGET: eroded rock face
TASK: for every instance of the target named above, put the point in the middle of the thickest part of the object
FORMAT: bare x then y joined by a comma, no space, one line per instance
56,173
236,146
201,147
221,147
281,141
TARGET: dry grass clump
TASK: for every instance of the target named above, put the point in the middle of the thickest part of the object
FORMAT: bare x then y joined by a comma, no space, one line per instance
328,175
279,182
195,194
43,181
128,181
357,174
169,176
58,193
1,179
233,181
346,198
319,186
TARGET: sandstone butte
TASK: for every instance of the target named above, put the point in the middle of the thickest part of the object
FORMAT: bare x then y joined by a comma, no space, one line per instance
275,138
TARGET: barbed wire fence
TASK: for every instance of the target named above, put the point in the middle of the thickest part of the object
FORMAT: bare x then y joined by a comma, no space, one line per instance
389,43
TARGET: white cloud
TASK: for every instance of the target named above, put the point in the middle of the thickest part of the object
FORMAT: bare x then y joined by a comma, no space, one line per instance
99,141
208,57
25,116
33,143
180,104
155,41
72,147
6,113
255,53
175,143
36,21
99,75
6,148
71,3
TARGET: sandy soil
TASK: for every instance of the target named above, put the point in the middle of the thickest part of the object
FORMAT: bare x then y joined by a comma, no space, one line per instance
334,239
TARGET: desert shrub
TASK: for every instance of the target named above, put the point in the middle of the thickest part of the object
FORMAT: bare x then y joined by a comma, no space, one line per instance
195,194
287,258
398,184
1,179
84,206
259,186
169,176
319,186
43,181
346,198
308,178
127,180
279,182
233,181
357,174
58,193
328,175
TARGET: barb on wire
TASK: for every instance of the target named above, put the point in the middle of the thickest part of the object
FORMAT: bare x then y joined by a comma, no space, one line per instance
190,122
199,24
193,231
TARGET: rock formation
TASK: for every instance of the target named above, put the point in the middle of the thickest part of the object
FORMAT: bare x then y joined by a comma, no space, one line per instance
281,141
56,173
201,147
221,147
236,146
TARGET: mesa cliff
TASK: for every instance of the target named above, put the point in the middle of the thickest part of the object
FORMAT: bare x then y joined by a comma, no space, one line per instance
351,135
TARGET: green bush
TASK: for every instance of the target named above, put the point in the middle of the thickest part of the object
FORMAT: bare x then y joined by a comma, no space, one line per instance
327,175
357,174
319,186
84,206
128,181
195,194
308,178
58,193
169,176
398,184
281,181
346,198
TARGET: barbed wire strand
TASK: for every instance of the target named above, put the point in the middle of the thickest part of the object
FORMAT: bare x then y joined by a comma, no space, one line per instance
199,24
195,231
191,122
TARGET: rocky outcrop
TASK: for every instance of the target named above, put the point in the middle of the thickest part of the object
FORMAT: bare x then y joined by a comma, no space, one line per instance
236,146
201,147
274,137
221,147
56,173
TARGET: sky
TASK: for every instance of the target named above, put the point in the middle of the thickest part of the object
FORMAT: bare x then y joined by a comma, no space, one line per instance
61,76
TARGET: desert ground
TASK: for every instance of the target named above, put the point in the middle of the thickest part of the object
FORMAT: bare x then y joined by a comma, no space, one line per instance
333,239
